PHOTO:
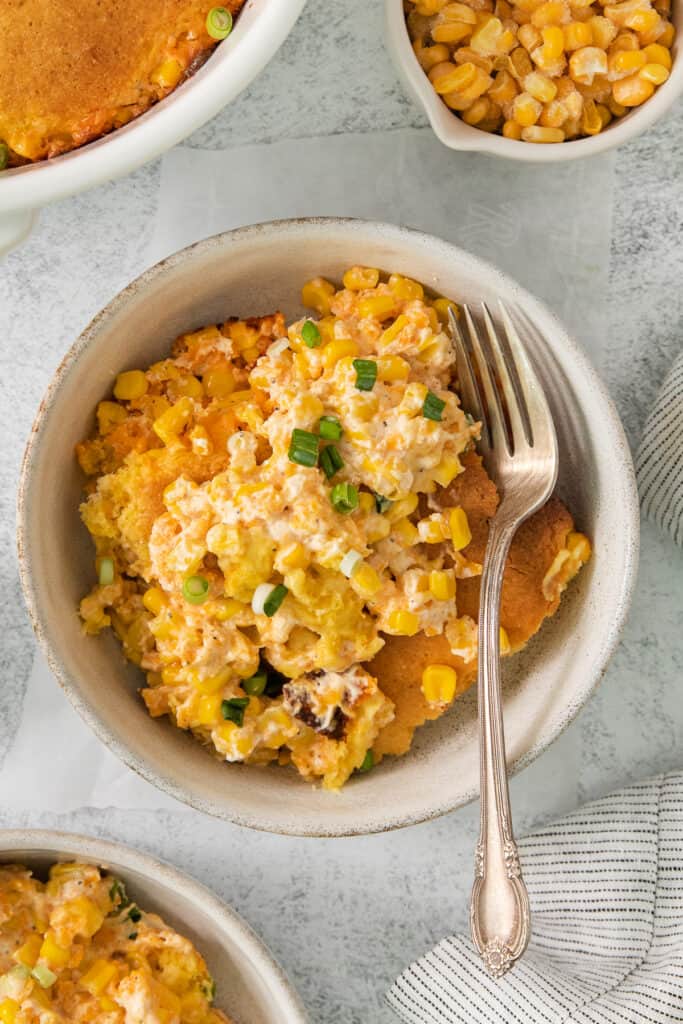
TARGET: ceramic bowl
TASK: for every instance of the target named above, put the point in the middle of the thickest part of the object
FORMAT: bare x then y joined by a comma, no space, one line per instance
256,270
250,986
262,27
455,134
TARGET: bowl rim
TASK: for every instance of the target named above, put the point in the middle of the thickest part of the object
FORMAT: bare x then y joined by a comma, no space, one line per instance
434,807
109,851
230,69
455,134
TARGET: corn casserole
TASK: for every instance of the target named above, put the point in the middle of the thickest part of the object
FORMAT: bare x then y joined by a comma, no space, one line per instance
73,71
542,71
290,522
76,949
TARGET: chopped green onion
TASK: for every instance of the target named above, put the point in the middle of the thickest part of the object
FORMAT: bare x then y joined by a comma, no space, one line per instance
219,22
275,599
469,419
311,334
134,914
233,710
303,448
344,497
106,573
329,428
432,407
368,762
349,563
256,684
4,155
43,975
196,589
331,461
366,373
133,936
382,503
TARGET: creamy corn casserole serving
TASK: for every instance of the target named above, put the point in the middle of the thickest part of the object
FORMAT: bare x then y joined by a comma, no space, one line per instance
76,949
289,524
542,71
72,70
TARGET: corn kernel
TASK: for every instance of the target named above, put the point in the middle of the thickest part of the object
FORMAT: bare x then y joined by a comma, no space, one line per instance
225,608
658,54
530,37
109,415
579,546
210,685
442,585
392,332
478,112
154,600
553,42
28,953
208,709
586,63
130,385
466,55
602,31
54,954
379,306
365,580
428,56
667,35
377,530
404,623
392,368
461,535
108,1005
358,278
633,91
512,130
317,294
406,532
458,12
591,122
540,87
338,349
538,134
405,288
655,73
447,77
167,74
553,12
439,684
97,977
644,21
451,32
402,507
576,35
447,470
9,1009
504,88
172,422
441,307
219,380
504,641
526,110
625,62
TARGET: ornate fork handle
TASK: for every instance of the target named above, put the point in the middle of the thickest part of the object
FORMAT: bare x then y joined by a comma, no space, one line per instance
499,910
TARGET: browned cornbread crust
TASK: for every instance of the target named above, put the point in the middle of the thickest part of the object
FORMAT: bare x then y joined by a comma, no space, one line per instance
71,70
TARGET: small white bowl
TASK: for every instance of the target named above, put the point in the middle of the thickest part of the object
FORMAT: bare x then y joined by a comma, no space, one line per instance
250,986
257,270
455,134
260,30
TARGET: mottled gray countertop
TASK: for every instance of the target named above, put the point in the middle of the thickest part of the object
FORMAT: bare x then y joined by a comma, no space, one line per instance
345,916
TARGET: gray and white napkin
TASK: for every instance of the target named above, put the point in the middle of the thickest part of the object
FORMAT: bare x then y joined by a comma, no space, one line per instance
606,890
659,463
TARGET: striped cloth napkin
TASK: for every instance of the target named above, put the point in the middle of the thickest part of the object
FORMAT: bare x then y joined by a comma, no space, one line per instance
659,463
606,890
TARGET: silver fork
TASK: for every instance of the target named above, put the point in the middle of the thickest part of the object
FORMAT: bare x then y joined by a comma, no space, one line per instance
499,387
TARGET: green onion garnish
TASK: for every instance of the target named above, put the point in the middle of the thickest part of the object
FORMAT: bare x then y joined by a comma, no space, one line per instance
366,373
219,22
344,497
469,419
368,762
433,407
134,914
133,936
106,573
311,334
256,684
43,975
274,599
233,710
329,428
303,448
4,155
331,461
382,503
196,589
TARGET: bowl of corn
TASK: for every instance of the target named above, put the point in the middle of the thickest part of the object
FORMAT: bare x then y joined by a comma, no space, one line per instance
262,268
516,78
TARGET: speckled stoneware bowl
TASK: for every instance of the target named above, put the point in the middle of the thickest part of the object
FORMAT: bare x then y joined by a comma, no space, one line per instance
257,270
250,986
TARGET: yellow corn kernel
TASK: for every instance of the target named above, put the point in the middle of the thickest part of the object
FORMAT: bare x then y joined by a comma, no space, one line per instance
512,130
602,31
365,580
554,115
439,683
504,88
172,422
447,77
667,35
428,56
63,870
432,530
378,306
458,12
429,7
208,709
478,112
442,585
296,556
526,110
466,55
366,502
625,41
655,73
9,1009
605,114
626,62
553,42
577,34
402,507
54,954
317,294
210,685
632,91
461,535
225,608
530,38
579,546
591,122
538,134
219,381
406,532
167,74
97,977
615,108
405,288
130,385
365,405
30,951
487,38
108,1005
586,63
540,87
377,530
404,623
357,278
504,641
338,349
643,21
154,600
392,368
109,415
441,307
88,915
658,54
392,332
553,12
447,470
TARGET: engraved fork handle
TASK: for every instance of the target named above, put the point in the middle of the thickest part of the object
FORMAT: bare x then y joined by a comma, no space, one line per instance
499,910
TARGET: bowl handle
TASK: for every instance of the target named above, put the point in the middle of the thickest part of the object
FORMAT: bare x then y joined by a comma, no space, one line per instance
15,227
